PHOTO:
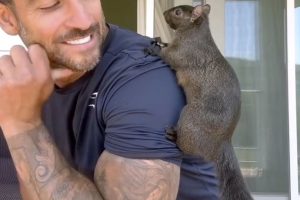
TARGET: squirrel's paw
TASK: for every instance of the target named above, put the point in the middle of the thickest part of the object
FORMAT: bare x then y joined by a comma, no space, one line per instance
171,133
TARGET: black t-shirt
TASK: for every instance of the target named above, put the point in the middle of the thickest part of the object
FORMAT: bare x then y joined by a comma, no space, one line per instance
124,106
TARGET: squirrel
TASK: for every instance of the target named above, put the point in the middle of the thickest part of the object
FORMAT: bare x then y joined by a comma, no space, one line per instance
213,96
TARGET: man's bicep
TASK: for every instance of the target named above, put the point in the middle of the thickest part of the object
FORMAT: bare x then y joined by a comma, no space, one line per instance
137,114
124,178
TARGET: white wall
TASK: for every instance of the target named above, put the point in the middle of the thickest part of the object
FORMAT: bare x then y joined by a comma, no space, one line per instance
217,22
183,2
7,41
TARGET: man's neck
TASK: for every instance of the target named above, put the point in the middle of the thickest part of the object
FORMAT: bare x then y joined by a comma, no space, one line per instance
64,77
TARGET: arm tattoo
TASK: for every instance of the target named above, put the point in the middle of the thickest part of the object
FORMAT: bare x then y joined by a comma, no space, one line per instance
43,172
135,179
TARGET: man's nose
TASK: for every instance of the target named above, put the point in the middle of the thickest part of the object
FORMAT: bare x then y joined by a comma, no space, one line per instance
79,16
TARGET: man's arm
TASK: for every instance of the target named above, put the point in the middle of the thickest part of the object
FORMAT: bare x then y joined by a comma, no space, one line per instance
42,170
44,173
25,84
135,179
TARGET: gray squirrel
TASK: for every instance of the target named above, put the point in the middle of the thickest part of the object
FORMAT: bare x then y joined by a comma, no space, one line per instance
212,90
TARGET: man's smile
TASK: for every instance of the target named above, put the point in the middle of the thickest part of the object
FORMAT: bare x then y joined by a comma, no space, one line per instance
80,41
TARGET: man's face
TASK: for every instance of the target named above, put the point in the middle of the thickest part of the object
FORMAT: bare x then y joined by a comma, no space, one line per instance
71,31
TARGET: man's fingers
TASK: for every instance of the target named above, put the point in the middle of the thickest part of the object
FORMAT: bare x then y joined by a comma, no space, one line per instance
38,57
42,69
20,56
6,66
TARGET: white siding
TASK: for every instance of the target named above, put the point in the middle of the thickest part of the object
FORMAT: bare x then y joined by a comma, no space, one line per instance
7,41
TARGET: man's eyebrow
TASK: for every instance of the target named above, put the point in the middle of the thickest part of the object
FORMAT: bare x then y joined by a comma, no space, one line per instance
31,2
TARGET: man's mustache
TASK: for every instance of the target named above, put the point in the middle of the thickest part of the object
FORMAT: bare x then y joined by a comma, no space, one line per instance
79,33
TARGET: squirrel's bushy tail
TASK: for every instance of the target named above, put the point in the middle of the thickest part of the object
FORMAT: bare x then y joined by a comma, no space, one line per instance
232,184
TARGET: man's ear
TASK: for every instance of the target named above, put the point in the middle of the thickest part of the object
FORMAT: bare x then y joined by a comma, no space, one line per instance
8,20
199,10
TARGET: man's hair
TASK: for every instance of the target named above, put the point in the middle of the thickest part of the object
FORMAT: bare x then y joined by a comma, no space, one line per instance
5,1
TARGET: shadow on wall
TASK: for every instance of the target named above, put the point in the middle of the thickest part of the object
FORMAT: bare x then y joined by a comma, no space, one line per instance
122,13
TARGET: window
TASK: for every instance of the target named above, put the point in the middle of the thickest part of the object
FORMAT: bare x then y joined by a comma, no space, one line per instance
242,22
251,34
297,27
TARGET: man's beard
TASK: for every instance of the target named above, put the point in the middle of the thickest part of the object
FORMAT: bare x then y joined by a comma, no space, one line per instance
56,55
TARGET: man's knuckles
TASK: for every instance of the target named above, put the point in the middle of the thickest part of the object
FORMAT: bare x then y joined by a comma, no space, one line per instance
35,57
26,64
38,56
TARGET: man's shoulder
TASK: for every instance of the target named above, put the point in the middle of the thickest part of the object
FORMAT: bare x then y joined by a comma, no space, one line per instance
123,41
125,58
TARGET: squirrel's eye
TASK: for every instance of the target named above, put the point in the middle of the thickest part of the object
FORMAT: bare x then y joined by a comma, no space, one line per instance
178,12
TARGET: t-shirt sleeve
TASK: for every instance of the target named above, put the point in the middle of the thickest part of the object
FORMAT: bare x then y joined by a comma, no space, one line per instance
138,113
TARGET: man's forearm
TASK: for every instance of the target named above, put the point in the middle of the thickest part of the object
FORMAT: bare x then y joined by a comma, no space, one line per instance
43,172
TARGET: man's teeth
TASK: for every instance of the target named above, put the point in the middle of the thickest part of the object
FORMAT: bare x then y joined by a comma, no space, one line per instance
79,41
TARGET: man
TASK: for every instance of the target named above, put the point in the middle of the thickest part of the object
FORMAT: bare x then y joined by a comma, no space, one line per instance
83,122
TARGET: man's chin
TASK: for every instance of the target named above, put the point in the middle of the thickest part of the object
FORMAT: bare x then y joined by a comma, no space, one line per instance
79,65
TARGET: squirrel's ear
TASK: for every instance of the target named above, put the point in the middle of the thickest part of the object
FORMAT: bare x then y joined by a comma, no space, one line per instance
206,9
199,10
8,21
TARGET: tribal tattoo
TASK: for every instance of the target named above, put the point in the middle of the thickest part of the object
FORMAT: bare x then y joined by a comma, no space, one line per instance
136,179
44,173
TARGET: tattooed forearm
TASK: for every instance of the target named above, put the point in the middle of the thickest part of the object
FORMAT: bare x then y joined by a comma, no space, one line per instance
136,179
45,175
43,172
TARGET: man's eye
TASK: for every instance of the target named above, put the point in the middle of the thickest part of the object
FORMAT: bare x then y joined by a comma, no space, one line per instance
53,5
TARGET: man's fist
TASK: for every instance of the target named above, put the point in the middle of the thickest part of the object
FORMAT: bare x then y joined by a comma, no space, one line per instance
25,85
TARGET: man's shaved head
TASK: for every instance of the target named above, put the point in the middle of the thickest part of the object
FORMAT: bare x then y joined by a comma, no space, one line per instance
5,1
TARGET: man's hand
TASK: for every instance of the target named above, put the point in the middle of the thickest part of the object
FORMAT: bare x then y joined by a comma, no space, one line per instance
25,84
